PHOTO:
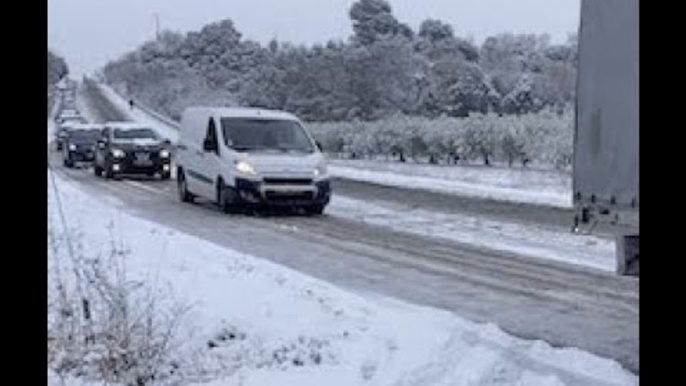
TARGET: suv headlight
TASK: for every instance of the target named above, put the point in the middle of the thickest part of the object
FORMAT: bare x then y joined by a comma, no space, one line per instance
72,146
118,153
245,168
320,170
164,153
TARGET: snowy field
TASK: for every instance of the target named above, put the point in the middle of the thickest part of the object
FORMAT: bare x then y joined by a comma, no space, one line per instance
526,240
290,329
51,121
51,130
516,185
139,115
84,107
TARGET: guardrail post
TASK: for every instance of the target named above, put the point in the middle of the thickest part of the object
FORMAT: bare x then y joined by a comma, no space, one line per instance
627,255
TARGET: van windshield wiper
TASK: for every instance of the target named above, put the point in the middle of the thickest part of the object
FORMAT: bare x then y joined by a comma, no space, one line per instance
246,148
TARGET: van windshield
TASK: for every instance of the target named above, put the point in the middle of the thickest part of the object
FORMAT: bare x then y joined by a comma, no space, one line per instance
244,134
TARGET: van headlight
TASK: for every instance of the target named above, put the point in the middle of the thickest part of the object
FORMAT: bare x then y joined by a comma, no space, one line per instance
118,153
320,170
245,168
164,154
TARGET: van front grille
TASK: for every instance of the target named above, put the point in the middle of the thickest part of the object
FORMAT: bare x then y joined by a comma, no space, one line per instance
288,181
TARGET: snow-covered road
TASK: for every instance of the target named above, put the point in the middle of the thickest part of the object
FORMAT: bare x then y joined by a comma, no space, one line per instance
482,232
444,253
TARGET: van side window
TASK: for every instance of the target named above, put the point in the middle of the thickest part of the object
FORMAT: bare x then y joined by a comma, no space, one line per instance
211,135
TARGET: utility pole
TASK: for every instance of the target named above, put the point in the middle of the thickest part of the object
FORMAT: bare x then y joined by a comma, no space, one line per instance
157,26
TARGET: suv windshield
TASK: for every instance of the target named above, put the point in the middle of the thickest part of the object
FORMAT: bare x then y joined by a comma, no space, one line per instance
84,134
134,134
265,134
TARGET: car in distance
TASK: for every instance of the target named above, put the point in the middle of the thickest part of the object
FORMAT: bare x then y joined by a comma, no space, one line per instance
61,133
79,144
70,115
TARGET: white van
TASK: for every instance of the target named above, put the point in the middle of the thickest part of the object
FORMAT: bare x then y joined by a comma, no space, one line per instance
241,157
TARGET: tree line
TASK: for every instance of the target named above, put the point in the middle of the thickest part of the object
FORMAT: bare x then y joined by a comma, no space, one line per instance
385,68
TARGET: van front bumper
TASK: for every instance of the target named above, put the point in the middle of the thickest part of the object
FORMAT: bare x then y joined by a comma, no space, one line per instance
317,193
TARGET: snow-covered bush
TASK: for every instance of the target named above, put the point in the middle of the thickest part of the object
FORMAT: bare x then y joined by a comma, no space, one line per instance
480,138
102,325
543,138
512,139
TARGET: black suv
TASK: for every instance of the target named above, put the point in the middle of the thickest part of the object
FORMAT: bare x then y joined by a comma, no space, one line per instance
128,148
79,145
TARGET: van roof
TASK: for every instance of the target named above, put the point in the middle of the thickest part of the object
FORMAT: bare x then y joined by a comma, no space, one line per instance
243,112
85,126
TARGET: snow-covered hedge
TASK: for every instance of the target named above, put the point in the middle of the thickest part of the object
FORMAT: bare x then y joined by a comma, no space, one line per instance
543,138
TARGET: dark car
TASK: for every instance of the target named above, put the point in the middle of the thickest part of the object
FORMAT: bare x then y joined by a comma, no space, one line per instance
61,134
79,145
129,148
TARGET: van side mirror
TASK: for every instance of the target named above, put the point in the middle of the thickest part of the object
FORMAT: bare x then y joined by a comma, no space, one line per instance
209,145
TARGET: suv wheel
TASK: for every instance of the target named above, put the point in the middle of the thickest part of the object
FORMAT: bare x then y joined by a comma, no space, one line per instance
315,210
224,199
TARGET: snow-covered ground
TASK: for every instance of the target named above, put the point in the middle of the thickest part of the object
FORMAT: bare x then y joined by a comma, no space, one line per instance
520,239
290,329
84,107
51,130
51,121
504,184
138,115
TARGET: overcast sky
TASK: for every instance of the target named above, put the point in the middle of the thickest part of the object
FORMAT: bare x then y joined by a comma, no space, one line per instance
88,33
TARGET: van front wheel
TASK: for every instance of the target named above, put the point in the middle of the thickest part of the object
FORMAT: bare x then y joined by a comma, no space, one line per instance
225,198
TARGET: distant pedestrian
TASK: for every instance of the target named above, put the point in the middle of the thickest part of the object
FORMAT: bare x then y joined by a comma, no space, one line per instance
131,103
